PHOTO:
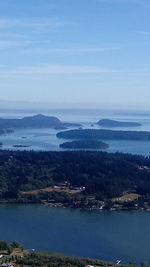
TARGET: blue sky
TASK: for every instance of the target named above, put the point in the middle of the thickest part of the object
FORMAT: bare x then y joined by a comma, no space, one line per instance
83,53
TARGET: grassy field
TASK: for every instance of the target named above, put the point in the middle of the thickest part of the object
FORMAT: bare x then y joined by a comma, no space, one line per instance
126,197
52,189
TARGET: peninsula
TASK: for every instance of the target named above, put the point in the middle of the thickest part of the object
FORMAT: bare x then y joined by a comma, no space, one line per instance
13,254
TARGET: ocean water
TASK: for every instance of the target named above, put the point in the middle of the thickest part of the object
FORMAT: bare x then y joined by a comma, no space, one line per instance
45,139
103,235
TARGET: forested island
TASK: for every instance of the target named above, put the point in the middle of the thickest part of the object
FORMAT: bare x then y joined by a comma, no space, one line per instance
37,121
77,179
21,146
104,135
13,254
114,123
84,144
4,131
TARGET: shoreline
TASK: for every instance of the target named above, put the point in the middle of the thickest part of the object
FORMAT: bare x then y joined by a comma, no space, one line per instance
61,205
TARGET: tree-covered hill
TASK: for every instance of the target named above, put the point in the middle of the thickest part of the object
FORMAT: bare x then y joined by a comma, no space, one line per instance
102,174
36,121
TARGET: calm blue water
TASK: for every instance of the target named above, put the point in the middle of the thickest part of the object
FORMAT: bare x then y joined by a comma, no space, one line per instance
104,235
45,139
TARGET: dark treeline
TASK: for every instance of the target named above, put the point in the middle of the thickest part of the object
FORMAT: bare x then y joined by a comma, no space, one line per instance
37,259
104,134
102,174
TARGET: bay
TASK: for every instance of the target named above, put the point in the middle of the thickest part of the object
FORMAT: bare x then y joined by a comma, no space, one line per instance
103,235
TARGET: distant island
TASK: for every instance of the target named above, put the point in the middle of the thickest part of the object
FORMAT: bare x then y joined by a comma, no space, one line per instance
85,144
37,121
100,134
20,146
114,123
4,131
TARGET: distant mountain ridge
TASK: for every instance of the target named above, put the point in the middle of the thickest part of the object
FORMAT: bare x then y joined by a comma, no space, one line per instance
114,123
36,121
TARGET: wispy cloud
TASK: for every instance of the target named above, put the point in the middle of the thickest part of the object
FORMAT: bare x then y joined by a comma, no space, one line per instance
26,32
12,44
26,36
62,69
141,3
70,50
12,35
144,33
123,1
25,45
34,23
31,42
53,69
43,47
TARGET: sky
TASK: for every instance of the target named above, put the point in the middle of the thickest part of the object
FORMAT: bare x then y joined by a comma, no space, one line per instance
75,53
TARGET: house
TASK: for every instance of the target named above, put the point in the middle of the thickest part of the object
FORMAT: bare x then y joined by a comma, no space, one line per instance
31,250
82,188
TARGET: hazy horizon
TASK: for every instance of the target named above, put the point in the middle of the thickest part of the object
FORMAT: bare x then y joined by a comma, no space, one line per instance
47,106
